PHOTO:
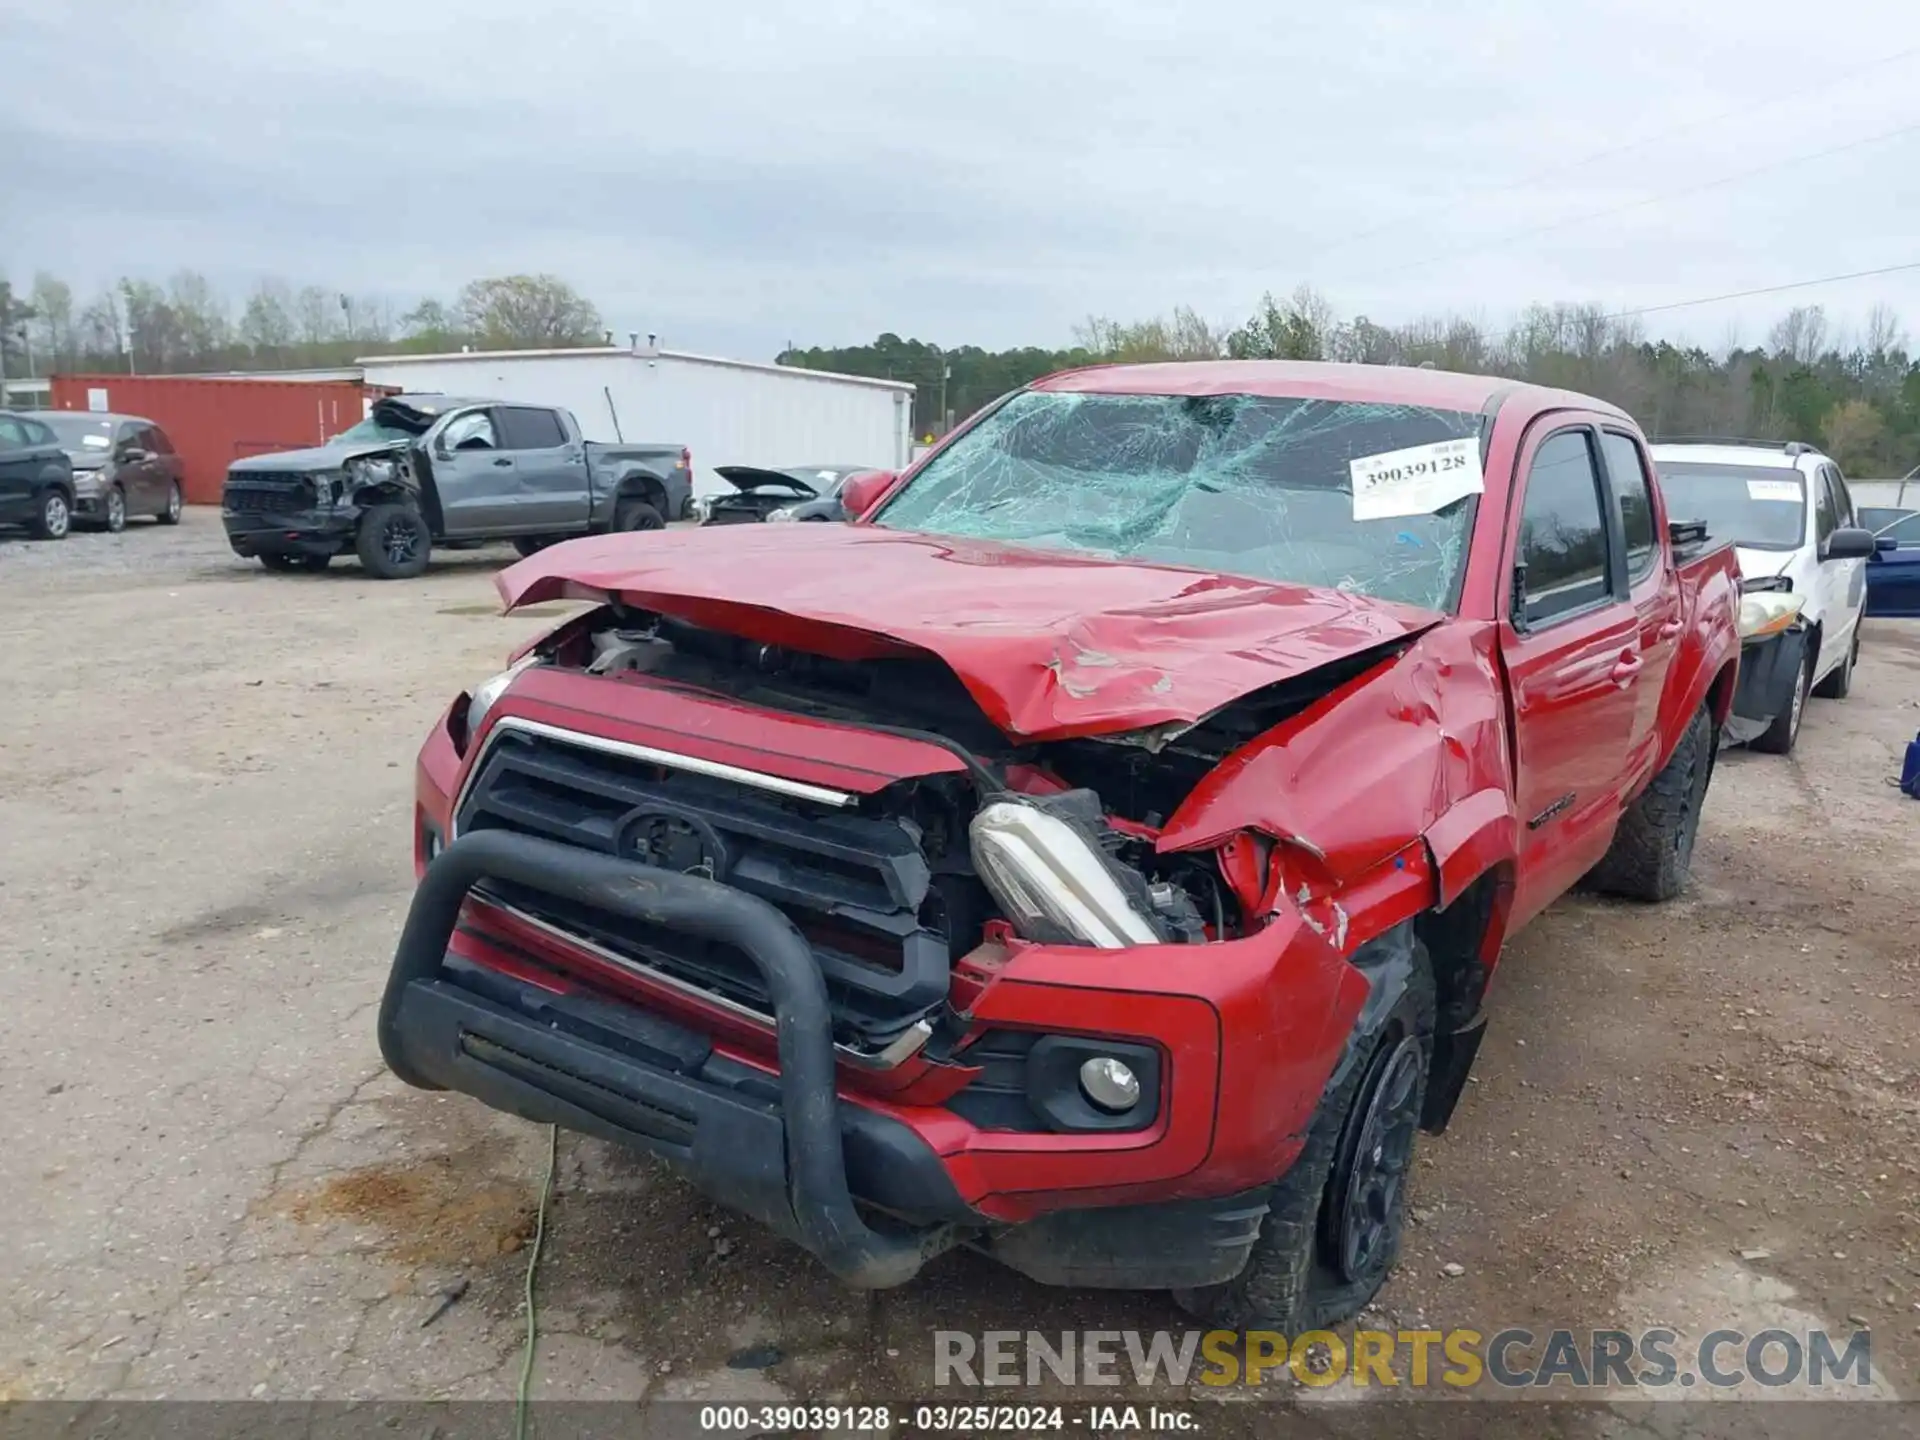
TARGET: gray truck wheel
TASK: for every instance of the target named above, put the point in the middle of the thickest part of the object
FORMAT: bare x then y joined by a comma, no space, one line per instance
1652,848
637,515
52,516
393,542
170,512
1334,1220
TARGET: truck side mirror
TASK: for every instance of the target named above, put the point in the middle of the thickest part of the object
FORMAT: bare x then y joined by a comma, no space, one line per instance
863,491
1850,542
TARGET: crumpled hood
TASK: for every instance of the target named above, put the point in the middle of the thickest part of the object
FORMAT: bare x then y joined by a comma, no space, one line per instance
1049,644
321,457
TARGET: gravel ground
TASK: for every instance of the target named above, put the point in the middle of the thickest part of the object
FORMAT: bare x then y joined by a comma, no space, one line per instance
217,1190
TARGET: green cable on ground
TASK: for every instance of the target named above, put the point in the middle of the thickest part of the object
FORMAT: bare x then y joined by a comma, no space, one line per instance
533,1270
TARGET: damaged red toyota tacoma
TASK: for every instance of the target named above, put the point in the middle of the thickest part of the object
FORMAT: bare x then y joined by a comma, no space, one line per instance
1099,853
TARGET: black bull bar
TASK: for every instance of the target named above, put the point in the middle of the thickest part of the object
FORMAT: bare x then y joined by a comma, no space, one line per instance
817,1208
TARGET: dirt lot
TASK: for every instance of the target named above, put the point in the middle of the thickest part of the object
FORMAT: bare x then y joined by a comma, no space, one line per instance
217,1191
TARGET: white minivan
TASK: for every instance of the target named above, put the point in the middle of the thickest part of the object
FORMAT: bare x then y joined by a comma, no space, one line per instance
1803,563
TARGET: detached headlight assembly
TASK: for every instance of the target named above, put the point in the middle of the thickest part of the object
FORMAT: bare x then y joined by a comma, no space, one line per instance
488,692
1051,880
784,514
1768,612
701,507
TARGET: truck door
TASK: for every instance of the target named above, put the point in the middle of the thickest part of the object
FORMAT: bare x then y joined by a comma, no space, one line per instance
1842,584
473,477
1653,592
1570,638
550,469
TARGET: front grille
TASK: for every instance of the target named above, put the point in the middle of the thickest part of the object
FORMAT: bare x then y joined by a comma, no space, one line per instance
279,496
857,886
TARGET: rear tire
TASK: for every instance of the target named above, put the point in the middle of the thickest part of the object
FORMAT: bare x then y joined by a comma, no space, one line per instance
113,510
53,516
1335,1219
1652,850
637,515
1778,738
393,542
170,512
1838,682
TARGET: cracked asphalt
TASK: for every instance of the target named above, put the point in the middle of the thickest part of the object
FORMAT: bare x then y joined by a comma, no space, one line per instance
216,1191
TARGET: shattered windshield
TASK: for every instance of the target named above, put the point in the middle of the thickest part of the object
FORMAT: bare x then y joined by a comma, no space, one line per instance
372,432
1238,484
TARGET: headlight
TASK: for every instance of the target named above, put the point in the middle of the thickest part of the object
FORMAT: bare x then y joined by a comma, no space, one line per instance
1051,882
488,692
1768,612
379,468
322,491
701,506
87,482
785,512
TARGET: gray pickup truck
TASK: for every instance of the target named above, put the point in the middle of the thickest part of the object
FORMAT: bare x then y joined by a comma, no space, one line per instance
426,470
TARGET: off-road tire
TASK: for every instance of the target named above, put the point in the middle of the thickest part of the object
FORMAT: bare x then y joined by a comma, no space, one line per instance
51,521
1292,1282
637,515
1652,849
169,513
113,510
1837,683
377,542
1778,738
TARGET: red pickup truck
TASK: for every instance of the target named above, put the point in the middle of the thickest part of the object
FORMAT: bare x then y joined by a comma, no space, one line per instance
1098,853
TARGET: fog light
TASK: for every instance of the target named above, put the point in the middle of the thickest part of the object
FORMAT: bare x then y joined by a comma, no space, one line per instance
1109,1084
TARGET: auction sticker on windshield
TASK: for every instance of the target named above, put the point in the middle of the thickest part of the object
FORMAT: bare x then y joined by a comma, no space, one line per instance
1773,490
1416,481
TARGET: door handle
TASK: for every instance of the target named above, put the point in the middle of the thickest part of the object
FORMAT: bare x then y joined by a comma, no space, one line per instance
503,462
1625,668
1671,630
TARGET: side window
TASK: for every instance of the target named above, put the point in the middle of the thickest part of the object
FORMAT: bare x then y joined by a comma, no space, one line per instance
38,434
1826,513
522,427
1906,531
157,441
1628,475
125,438
1843,499
13,435
1563,530
471,431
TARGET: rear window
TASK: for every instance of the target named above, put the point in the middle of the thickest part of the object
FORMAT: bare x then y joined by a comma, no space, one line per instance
525,428
1759,506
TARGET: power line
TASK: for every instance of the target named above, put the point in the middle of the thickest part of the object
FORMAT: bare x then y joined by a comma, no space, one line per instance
1685,191
1764,290
1560,168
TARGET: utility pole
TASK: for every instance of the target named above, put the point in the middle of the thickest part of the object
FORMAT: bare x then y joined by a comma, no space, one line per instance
346,305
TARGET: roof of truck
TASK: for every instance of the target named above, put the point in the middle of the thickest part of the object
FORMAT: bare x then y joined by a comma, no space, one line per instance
1316,380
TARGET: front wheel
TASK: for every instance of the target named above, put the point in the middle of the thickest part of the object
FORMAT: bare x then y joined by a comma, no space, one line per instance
52,517
116,510
393,542
170,512
1778,738
1335,1219
1652,848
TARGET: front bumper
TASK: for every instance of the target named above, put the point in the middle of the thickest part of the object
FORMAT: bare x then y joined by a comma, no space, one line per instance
89,494
1769,669
779,1150
298,532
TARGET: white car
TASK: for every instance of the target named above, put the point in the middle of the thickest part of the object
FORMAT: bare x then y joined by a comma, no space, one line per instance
1803,562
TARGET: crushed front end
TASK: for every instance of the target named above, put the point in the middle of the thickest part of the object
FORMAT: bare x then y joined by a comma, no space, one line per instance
859,965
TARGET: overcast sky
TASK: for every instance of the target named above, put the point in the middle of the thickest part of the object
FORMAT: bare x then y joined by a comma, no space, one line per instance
735,175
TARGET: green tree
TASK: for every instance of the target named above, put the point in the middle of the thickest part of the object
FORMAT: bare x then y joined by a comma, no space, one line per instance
524,312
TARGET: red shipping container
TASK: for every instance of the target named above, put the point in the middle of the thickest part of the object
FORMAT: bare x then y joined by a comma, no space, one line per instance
214,420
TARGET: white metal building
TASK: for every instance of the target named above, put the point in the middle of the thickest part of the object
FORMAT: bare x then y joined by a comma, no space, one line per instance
729,412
